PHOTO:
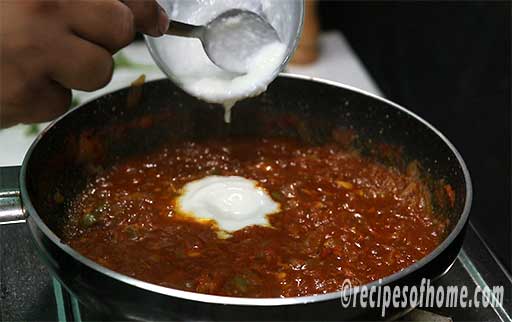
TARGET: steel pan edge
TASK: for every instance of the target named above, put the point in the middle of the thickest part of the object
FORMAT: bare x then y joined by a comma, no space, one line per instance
95,285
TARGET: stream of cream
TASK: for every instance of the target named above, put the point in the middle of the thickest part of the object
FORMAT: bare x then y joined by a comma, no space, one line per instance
198,76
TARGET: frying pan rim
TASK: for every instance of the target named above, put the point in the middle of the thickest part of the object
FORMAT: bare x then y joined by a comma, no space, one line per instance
216,299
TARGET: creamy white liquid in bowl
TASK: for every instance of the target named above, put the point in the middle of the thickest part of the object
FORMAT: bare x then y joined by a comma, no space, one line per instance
186,63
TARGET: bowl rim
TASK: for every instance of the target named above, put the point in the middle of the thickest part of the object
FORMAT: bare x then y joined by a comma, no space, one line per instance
216,299
148,40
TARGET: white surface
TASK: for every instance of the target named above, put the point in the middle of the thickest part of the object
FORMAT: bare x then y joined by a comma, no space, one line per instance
337,62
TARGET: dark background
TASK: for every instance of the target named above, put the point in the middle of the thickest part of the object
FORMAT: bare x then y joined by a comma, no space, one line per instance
450,62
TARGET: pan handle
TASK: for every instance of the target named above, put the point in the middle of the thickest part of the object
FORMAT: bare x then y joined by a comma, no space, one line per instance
11,211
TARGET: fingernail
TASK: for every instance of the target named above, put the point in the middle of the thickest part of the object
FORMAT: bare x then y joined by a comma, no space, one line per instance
163,21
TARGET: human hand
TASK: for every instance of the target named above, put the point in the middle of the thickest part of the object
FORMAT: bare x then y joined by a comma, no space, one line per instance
49,47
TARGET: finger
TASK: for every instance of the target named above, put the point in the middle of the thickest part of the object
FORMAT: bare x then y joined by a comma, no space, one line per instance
149,17
43,103
107,23
81,65
52,100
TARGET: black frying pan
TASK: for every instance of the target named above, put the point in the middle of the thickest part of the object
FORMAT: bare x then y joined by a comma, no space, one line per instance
137,120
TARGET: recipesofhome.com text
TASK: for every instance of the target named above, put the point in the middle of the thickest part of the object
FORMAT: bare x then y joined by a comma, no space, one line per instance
426,295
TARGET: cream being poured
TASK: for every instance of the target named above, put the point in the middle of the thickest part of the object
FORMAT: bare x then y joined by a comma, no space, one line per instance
196,74
225,88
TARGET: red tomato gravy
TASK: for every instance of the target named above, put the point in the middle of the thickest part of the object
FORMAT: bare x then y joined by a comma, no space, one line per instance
342,216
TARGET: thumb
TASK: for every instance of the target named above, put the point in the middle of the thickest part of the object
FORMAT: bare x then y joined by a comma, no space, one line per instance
149,17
